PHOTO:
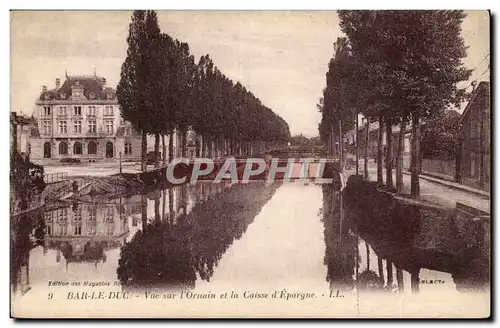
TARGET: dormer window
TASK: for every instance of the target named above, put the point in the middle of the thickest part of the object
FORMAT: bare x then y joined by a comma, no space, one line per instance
62,95
92,95
77,91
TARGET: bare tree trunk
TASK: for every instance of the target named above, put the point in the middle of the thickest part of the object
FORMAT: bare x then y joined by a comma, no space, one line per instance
367,176
367,256
334,151
164,199
357,143
171,147
157,150
380,177
380,269
184,143
415,154
203,146
399,157
341,147
157,210
388,157
415,284
399,278
163,150
210,144
327,146
388,265
144,211
144,151
171,205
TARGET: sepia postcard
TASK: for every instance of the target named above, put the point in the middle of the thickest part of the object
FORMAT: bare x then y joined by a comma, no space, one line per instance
250,164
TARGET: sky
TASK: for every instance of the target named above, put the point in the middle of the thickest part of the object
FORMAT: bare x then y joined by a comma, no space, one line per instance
281,56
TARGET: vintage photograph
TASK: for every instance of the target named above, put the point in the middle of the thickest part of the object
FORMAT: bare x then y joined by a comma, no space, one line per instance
250,164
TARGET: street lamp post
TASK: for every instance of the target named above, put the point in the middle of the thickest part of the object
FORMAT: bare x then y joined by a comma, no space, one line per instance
120,163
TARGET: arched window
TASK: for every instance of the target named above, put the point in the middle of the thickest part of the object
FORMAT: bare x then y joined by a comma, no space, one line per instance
128,148
92,148
77,148
63,148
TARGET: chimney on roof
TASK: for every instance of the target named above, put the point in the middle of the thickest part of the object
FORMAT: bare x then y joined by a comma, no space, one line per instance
103,81
58,83
44,88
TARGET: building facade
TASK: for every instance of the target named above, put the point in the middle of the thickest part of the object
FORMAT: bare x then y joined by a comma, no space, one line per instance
81,119
473,155
373,135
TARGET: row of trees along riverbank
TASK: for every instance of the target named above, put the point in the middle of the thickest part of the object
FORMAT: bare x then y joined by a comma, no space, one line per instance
394,68
162,90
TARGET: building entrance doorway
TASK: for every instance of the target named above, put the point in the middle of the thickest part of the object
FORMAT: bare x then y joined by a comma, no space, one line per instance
46,150
109,150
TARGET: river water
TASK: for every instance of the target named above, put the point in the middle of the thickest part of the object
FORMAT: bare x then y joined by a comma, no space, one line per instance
207,237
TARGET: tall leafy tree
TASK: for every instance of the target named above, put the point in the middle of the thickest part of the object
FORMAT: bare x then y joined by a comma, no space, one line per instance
417,55
136,97
338,104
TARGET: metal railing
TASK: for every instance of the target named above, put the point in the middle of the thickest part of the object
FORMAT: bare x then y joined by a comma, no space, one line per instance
55,177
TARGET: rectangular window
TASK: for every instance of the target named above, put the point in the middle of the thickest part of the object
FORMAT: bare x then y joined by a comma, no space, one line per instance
77,110
108,110
63,214
77,214
61,110
109,127
92,110
63,127
92,126
92,213
46,111
78,126
47,127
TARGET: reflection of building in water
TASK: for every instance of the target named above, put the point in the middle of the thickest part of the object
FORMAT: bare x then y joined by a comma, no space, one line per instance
83,232
185,197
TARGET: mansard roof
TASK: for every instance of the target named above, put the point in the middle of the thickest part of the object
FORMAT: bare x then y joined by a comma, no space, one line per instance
93,89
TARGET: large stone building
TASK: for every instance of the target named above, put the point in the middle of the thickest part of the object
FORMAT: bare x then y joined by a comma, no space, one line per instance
81,119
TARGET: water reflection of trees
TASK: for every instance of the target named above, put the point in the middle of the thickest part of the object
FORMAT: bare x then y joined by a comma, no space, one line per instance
343,254
169,253
26,233
340,253
392,239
